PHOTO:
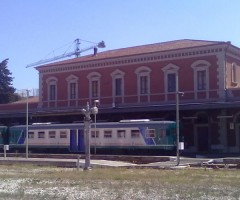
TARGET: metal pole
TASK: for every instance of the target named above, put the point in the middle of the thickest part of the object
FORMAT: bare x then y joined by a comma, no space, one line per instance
27,124
87,120
177,119
95,126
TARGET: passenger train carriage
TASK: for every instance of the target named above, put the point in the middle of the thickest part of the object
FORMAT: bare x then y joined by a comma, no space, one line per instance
136,136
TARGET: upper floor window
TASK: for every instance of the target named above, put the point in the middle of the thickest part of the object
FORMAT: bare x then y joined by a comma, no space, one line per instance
143,80
171,82
52,88
118,82
234,73
201,75
72,87
94,84
170,73
201,80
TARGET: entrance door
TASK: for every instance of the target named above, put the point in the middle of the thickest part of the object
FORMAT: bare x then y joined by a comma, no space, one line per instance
202,138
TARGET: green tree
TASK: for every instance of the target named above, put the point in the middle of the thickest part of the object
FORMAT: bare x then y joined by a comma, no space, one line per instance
7,91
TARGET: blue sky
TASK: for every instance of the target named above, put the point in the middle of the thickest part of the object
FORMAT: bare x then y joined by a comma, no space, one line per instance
31,30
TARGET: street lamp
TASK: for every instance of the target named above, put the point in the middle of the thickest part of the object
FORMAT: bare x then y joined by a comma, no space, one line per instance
95,125
177,119
87,126
27,92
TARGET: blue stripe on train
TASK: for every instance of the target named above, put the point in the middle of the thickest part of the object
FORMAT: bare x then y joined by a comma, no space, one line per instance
22,138
77,140
148,141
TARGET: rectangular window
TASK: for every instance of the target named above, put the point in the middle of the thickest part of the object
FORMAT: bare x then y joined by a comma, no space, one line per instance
30,134
52,134
63,134
73,91
171,81
143,84
121,133
201,80
107,134
93,134
150,133
234,73
41,134
94,88
52,92
135,134
118,86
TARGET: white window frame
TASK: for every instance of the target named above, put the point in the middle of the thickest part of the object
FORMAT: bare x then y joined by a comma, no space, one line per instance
234,73
94,76
52,81
200,65
117,74
143,71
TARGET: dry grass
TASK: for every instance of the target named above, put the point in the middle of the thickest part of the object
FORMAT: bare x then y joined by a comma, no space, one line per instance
31,182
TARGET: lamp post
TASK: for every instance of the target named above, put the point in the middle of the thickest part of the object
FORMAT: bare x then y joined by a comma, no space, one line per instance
95,125
177,119
27,92
87,126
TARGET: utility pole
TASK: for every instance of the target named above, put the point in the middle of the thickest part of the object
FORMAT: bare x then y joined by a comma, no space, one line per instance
27,92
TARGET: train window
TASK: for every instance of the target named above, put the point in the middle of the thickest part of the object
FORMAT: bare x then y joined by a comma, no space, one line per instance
135,133
150,133
121,133
63,134
162,133
52,134
93,134
41,134
30,134
107,134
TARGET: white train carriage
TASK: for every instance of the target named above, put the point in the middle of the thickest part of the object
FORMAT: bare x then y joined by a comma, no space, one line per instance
112,136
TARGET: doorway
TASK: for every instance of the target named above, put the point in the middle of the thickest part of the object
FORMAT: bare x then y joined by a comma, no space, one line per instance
202,139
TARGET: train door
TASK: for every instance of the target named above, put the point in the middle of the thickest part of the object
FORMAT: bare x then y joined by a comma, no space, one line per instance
77,140
202,137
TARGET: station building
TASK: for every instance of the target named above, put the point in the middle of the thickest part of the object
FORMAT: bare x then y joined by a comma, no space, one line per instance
143,82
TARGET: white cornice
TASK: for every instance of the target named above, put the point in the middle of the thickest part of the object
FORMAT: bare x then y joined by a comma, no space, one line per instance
138,59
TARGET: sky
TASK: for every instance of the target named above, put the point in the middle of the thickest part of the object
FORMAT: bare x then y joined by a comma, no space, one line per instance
34,30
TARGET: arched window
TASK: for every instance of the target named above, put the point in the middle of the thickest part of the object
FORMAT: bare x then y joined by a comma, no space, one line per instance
94,85
52,88
72,82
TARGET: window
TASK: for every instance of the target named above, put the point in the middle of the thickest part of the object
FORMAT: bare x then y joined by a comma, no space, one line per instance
170,77
30,134
150,133
52,88
121,133
41,134
143,81
95,88
143,85
201,80
72,90
234,73
93,134
107,134
171,81
118,86
135,134
72,87
52,134
63,134
52,92
201,77
162,133
94,84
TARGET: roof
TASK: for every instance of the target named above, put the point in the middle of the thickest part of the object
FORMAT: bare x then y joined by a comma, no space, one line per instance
136,50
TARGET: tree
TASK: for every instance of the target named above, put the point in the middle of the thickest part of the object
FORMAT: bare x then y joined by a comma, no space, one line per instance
6,89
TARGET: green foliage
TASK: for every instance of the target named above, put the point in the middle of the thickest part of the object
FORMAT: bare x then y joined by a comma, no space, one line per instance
6,89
